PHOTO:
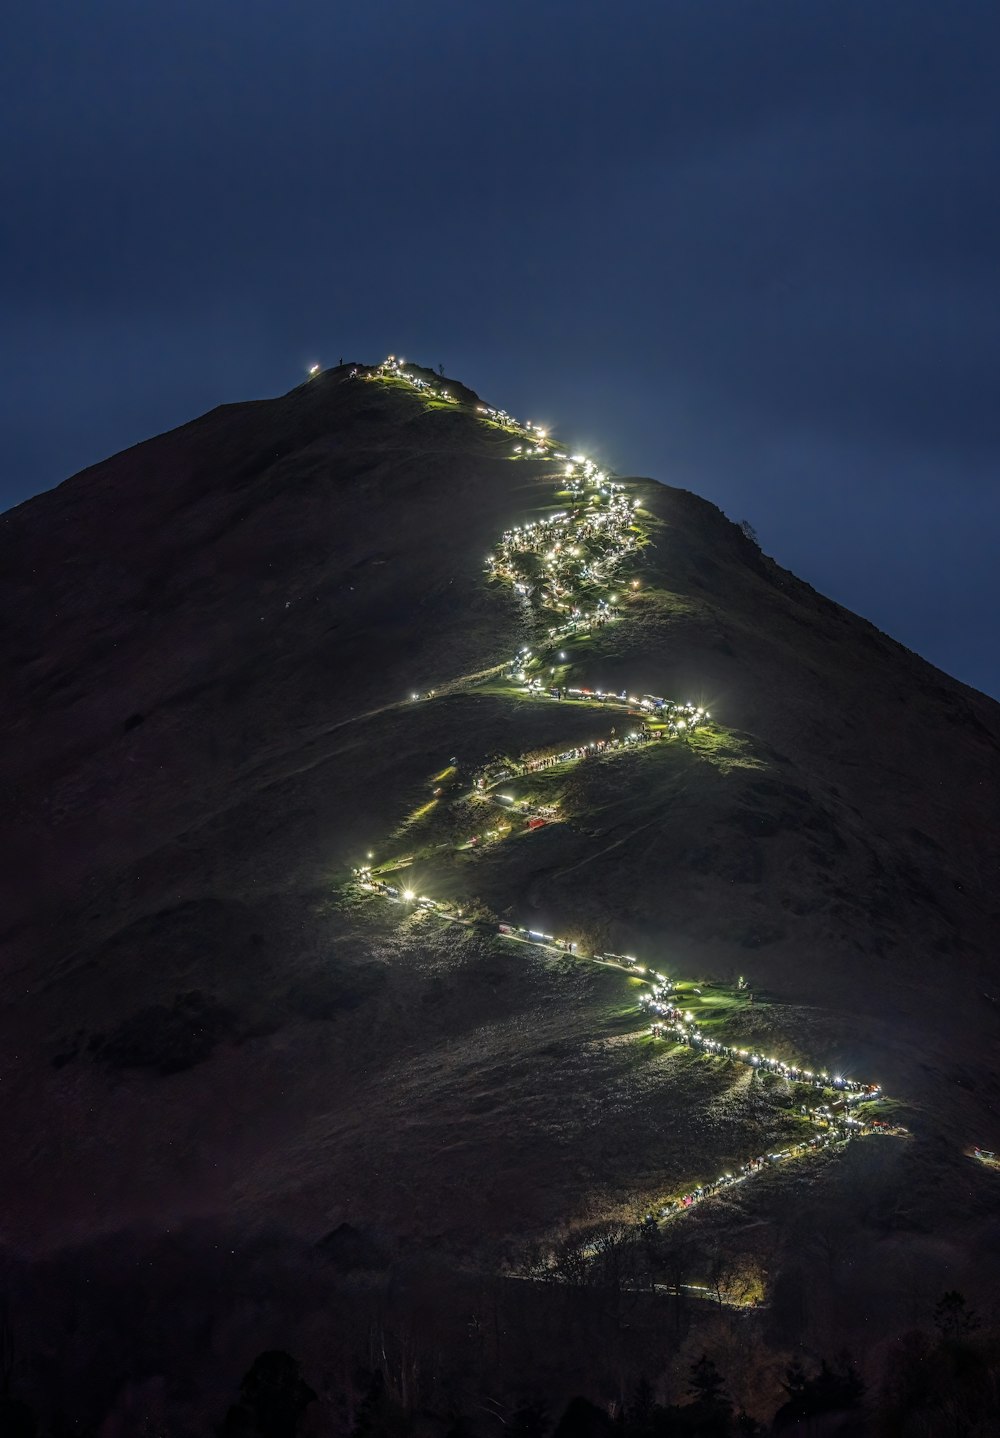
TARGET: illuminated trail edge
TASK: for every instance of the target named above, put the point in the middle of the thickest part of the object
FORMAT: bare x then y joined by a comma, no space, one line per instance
564,569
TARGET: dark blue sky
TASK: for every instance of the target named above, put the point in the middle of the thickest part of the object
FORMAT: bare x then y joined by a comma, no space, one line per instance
752,249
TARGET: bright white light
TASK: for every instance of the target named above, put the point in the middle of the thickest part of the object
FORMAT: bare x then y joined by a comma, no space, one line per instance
408,894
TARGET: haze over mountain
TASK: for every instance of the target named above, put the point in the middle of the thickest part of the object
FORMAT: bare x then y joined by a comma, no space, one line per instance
209,651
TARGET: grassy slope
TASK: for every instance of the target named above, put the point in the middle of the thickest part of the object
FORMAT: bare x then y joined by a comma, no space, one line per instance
276,571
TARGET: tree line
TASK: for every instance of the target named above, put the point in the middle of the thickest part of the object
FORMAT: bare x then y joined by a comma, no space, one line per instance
945,1380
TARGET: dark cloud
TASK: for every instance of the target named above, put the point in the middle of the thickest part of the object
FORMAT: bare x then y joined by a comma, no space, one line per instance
750,249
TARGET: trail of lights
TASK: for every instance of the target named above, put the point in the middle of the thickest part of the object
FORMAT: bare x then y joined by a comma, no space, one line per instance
393,368
564,566
553,561
834,1122
667,1020
678,1024
833,1132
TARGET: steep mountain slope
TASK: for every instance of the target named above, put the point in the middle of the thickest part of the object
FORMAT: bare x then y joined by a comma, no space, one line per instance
209,650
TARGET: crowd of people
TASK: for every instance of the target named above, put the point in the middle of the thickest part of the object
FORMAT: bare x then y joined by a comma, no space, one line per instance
558,565
535,763
673,715
832,1133
835,1123
393,368
679,1025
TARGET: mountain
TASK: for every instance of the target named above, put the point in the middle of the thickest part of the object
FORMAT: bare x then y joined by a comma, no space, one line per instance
243,657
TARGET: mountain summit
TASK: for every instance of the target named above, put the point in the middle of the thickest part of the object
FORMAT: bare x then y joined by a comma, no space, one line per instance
375,763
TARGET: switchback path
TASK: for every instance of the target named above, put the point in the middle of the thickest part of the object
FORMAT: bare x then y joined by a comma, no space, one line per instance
566,568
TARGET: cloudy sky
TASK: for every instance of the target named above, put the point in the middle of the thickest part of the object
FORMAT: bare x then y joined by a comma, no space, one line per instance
750,248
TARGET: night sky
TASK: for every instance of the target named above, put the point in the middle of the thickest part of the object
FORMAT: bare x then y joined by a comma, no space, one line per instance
750,249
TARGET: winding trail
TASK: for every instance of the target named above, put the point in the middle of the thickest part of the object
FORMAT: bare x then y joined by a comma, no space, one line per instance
567,569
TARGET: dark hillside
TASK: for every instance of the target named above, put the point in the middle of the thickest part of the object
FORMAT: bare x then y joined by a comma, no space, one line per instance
188,621
210,649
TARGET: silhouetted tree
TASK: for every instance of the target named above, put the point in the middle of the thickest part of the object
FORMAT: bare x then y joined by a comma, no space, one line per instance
582,1419
612,1270
571,1262
951,1386
832,1388
829,1391
677,1258
709,1414
640,1411
953,1319
273,1399
706,1383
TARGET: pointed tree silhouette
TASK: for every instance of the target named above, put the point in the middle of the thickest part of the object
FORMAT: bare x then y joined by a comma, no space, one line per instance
640,1410
953,1318
273,1399
706,1383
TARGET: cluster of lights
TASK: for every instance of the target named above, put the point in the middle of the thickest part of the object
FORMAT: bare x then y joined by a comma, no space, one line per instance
835,1131
577,549
395,368
675,716
492,775
526,429
680,1025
